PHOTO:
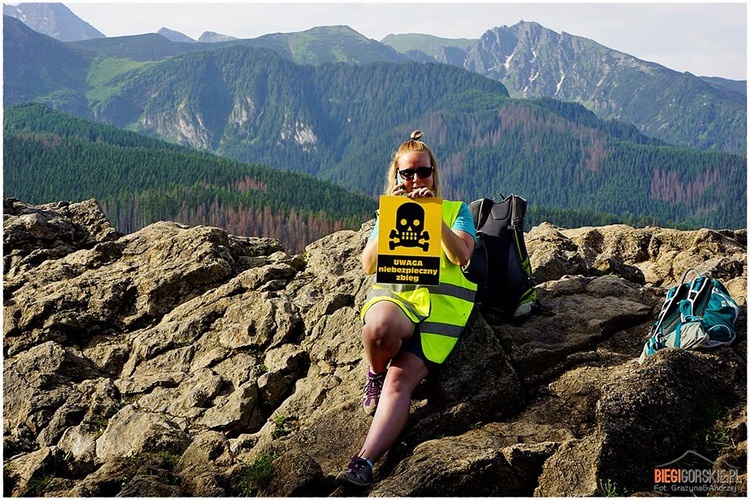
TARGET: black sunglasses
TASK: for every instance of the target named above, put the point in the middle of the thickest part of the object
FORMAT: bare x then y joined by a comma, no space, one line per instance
408,173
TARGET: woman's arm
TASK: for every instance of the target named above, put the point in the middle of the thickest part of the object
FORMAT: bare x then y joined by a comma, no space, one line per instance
370,256
458,245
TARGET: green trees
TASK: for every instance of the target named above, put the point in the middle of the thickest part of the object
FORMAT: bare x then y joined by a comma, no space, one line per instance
342,123
48,156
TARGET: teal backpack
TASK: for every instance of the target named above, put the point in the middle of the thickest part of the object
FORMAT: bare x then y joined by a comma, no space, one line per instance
696,314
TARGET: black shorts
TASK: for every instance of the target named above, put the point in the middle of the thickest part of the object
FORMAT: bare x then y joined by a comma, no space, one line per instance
414,345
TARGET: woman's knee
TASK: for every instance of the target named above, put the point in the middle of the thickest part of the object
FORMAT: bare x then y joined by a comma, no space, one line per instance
385,325
380,333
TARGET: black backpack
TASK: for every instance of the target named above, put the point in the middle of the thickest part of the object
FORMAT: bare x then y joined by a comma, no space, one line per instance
500,263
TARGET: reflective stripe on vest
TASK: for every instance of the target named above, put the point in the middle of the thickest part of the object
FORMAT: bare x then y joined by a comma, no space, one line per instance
452,303
442,311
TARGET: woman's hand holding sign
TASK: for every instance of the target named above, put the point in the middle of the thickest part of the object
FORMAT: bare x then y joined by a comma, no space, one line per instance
422,192
399,190
418,192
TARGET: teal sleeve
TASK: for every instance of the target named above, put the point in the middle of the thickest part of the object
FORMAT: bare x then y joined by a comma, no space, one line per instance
375,229
465,222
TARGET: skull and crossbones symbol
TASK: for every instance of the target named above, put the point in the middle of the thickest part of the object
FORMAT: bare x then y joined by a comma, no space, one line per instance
409,218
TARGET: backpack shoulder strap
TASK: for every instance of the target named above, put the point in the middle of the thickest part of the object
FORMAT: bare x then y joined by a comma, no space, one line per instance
517,212
671,304
696,297
691,270
480,210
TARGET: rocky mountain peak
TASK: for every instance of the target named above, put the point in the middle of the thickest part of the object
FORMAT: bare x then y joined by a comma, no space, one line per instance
174,36
186,361
53,19
213,37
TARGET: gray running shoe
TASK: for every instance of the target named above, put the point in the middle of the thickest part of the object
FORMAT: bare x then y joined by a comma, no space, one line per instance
358,473
373,388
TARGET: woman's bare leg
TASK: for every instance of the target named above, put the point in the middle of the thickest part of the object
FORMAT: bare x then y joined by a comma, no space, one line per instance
406,372
386,326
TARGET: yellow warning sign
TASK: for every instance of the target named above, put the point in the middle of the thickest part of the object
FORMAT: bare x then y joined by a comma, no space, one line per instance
409,240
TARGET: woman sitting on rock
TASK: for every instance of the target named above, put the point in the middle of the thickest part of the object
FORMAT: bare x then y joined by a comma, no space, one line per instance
409,329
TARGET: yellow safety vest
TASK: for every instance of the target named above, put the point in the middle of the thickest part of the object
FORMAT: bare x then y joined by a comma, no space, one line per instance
441,311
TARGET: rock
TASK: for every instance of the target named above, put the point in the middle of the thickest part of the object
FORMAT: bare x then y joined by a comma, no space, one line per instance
459,398
641,409
527,460
185,361
661,255
511,455
587,310
664,255
148,485
284,365
79,442
452,466
196,482
611,266
32,235
132,431
232,412
143,474
201,463
106,481
296,474
572,469
636,417
552,255
29,474
41,380
207,448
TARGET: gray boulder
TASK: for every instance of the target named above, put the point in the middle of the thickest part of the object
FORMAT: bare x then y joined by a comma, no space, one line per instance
186,361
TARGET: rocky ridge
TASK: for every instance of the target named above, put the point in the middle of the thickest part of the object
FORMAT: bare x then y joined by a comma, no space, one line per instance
185,361
534,61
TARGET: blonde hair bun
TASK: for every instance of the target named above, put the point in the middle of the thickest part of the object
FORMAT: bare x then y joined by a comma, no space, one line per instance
416,135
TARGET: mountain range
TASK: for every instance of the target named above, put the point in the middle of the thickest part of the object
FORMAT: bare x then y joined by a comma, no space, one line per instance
706,113
338,116
532,61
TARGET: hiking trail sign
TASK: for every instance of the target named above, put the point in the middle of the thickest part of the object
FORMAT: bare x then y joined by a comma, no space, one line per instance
409,240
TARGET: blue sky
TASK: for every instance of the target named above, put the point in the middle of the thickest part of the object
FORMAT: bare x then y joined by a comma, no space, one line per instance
706,39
